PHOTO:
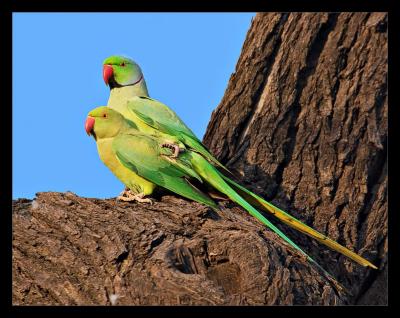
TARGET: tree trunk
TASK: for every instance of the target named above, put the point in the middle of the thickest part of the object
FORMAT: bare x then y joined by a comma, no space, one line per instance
78,251
307,114
304,121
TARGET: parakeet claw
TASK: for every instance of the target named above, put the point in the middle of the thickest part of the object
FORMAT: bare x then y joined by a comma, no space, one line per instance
144,200
174,147
128,196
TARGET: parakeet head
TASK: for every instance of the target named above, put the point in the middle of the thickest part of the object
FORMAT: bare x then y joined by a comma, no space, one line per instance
103,122
121,71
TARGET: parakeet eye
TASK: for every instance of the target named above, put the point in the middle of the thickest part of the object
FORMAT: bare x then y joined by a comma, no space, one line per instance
105,115
122,64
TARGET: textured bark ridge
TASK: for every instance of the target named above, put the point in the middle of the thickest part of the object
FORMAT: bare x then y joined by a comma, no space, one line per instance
71,250
304,121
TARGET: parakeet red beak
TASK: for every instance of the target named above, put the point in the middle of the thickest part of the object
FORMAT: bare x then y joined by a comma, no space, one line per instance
89,124
107,73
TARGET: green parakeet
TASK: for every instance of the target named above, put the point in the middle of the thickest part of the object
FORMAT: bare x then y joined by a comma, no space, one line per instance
132,154
129,96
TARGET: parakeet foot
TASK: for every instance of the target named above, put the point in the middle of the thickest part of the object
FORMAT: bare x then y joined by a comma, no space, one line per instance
174,147
129,196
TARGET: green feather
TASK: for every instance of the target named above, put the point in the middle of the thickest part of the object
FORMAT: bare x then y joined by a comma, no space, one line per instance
149,160
160,117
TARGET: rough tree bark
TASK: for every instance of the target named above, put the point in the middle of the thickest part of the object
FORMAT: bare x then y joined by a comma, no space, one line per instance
303,121
71,250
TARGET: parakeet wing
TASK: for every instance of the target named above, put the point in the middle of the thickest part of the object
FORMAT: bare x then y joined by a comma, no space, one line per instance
144,156
161,117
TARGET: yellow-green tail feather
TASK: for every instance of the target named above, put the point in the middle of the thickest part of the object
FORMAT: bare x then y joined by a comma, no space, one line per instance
257,201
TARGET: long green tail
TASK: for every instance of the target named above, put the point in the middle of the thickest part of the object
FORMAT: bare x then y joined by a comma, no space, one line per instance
215,178
295,223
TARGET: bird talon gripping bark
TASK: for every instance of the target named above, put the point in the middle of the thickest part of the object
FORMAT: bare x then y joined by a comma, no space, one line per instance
129,196
174,147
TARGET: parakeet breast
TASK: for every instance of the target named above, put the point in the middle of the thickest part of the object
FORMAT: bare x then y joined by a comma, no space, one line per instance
133,181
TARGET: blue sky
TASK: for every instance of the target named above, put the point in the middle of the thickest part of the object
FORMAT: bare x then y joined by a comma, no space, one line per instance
186,59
